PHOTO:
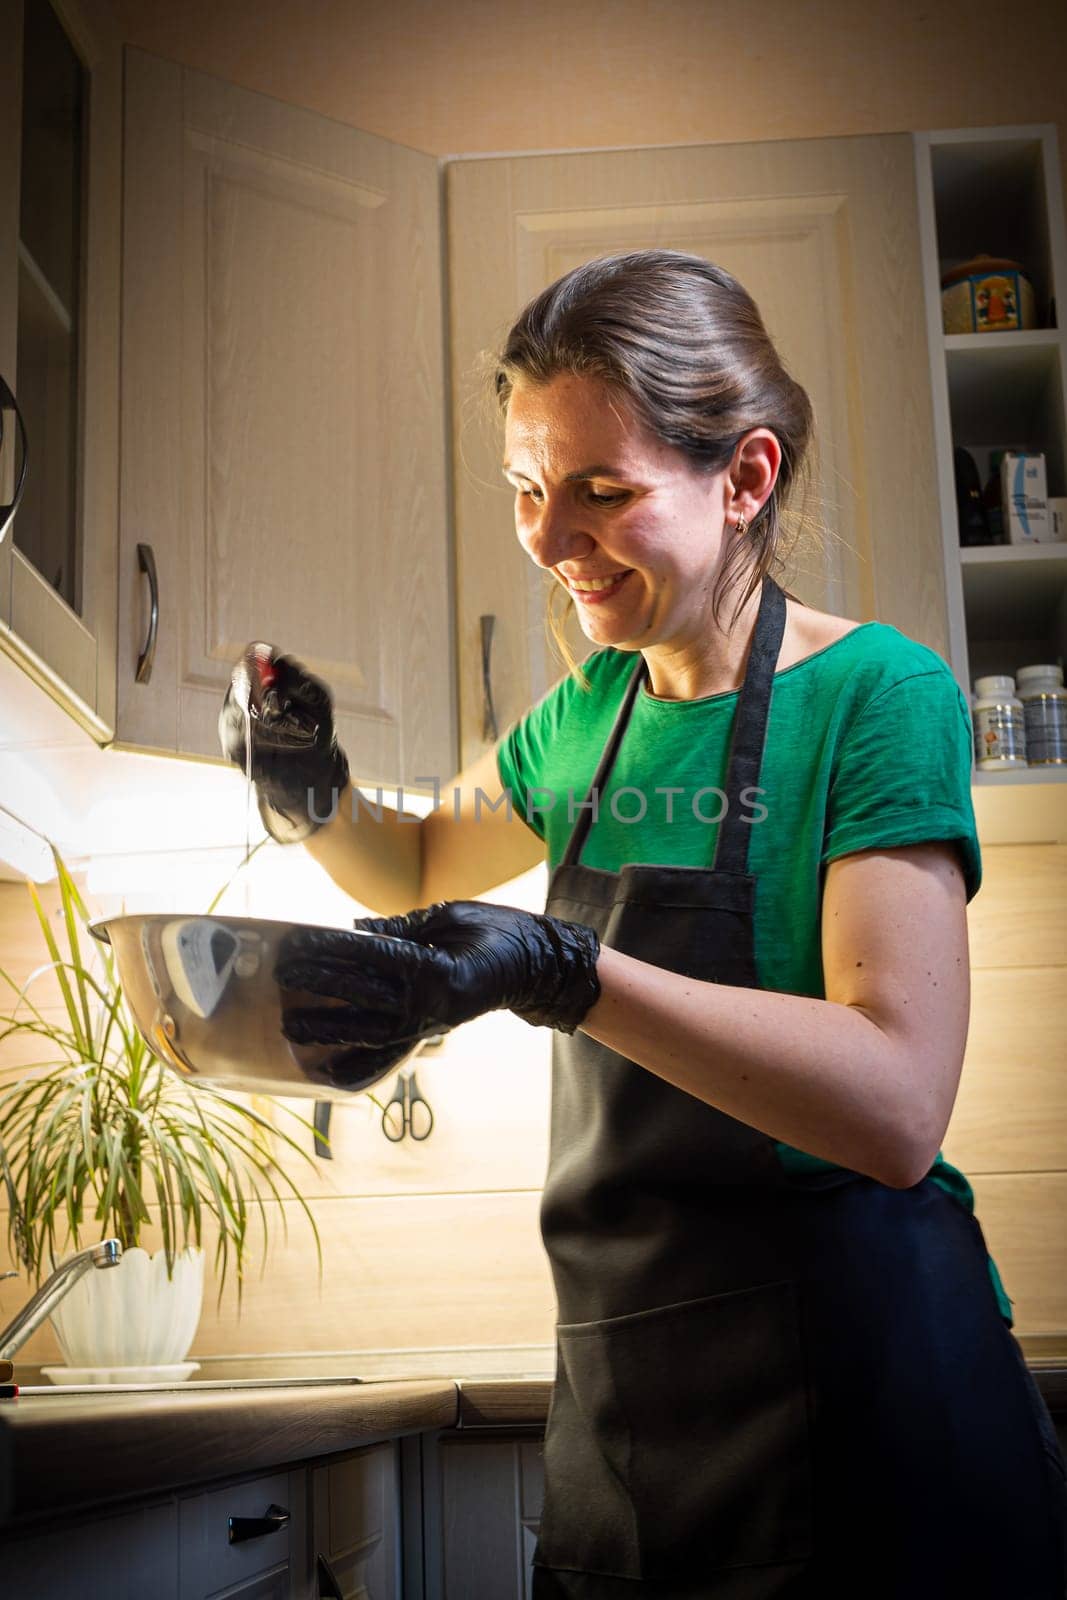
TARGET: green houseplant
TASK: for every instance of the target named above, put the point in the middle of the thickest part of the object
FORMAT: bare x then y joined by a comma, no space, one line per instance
99,1131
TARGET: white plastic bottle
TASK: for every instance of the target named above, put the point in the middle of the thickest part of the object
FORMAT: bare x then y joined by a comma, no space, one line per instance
999,726
1044,702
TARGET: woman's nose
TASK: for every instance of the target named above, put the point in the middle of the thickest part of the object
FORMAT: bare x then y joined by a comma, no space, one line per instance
552,533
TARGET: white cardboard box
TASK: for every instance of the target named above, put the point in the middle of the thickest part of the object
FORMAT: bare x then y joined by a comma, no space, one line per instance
1024,498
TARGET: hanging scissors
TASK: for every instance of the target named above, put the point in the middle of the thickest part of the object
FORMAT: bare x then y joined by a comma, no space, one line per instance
407,1113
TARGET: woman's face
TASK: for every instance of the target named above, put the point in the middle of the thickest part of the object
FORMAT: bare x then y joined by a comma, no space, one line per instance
634,533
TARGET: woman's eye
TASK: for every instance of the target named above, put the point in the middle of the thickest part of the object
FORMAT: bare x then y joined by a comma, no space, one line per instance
612,499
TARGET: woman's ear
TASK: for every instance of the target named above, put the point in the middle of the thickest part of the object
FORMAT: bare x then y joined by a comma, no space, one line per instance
754,472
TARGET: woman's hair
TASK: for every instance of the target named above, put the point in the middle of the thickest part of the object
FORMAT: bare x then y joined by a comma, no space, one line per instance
684,344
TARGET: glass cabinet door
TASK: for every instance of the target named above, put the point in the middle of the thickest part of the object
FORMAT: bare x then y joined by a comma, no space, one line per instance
54,102
60,281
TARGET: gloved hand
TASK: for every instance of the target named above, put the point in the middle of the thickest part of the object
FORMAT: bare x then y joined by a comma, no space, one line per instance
405,978
297,765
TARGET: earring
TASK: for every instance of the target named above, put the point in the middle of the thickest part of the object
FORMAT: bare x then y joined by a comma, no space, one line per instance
742,527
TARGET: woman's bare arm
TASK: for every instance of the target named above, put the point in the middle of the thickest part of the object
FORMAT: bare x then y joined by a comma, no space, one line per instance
865,1078
472,842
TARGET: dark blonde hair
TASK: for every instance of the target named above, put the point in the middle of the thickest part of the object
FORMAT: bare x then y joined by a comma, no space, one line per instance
684,344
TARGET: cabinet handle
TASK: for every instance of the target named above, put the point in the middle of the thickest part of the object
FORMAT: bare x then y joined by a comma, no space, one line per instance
9,403
146,561
322,1130
242,1528
329,1583
489,728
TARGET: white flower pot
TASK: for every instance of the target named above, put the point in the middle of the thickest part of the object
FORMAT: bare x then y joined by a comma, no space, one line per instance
132,1315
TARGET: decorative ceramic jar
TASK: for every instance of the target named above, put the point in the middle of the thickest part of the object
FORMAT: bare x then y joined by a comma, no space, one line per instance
987,295
132,1315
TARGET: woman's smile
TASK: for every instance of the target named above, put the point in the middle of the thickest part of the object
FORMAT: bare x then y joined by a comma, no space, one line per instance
595,591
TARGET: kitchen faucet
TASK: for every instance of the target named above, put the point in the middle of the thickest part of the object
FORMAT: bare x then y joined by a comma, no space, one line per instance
106,1254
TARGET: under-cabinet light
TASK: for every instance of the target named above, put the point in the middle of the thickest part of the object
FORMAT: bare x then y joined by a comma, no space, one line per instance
24,849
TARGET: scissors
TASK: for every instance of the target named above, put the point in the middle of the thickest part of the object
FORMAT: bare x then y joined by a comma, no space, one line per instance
407,1112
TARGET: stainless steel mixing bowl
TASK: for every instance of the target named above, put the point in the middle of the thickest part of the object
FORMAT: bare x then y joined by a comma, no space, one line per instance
203,993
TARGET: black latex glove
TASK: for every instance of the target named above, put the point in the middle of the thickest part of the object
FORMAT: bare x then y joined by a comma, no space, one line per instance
297,765
405,978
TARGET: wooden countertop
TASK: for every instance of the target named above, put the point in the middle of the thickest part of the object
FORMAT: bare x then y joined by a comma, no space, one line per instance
503,1402
72,1452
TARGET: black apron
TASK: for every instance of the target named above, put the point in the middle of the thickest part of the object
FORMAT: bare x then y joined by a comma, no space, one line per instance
762,1389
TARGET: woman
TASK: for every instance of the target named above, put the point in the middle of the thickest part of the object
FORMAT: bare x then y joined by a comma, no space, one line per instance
784,1357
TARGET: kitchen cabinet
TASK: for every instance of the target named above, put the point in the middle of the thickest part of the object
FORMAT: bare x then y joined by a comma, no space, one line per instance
60,151
355,1521
824,234
997,191
178,1549
317,1531
295,455
283,421
297,462
482,1494
107,1557
245,1539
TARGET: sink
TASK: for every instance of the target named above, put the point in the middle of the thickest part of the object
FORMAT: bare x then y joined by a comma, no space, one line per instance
520,1363
189,1383
60,1389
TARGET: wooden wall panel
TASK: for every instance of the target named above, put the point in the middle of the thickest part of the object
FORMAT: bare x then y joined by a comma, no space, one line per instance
407,1272
22,952
1019,915
438,1243
1011,1109
1022,1217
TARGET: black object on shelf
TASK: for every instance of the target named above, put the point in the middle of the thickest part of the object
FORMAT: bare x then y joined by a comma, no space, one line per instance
991,498
970,506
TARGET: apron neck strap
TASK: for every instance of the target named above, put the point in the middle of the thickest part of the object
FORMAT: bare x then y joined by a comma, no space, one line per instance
749,732
580,831
746,745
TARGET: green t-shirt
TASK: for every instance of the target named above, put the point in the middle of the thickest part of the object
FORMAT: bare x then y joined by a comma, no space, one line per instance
868,745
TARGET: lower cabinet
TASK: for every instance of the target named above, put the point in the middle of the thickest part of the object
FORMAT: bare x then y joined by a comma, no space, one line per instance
245,1540
129,1555
481,1510
326,1530
355,1527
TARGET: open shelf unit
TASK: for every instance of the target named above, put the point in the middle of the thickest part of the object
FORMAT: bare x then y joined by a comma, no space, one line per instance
997,191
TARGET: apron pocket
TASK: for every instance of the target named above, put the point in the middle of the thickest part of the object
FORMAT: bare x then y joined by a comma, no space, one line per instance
681,1435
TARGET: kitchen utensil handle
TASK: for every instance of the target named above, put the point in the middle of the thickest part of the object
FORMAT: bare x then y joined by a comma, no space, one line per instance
9,403
146,561
329,1583
489,727
242,1528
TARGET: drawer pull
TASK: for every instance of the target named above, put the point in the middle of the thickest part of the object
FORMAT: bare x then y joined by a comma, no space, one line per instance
242,1528
329,1583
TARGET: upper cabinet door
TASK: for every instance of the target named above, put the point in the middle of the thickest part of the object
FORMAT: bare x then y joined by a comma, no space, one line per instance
824,235
283,424
10,119
60,101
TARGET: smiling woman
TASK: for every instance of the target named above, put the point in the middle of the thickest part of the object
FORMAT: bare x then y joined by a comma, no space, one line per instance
776,1306
635,544
671,427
